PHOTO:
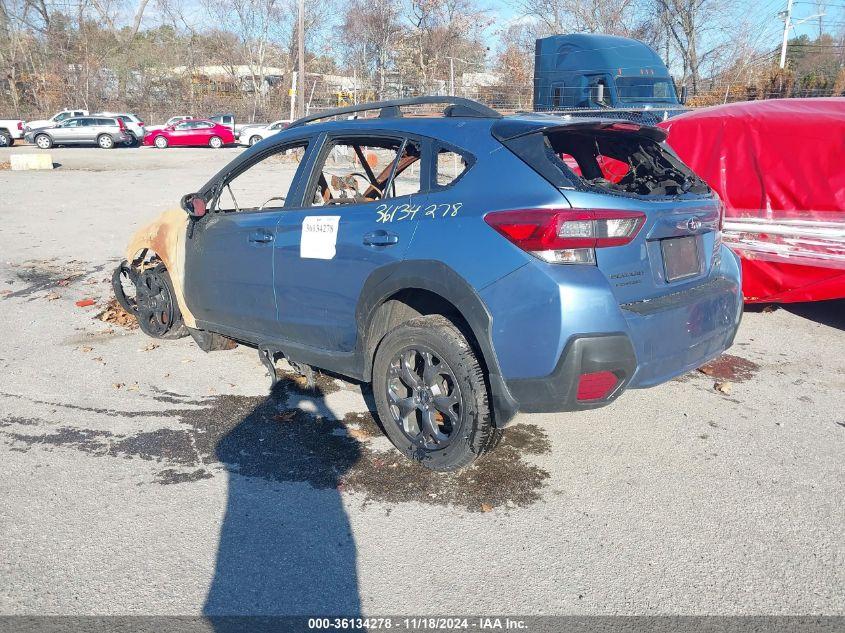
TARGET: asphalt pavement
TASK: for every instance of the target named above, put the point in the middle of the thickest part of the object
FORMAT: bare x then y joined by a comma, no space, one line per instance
145,476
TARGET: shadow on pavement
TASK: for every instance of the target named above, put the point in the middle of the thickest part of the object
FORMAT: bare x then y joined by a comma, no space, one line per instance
283,550
830,313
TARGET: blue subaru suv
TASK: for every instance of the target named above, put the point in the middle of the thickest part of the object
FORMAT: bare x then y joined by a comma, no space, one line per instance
468,265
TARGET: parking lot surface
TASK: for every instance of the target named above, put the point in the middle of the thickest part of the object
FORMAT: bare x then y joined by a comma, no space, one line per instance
144,476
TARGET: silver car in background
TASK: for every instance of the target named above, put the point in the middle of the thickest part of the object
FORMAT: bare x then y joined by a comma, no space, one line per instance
85,130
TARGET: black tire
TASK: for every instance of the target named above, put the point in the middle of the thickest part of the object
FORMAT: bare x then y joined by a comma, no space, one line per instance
447,422
254,139
45,143
6,139
156,307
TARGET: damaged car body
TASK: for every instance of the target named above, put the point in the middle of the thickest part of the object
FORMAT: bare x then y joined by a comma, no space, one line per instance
469,266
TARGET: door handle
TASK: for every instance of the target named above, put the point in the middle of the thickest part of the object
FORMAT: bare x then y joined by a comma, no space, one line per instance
261,237
380,238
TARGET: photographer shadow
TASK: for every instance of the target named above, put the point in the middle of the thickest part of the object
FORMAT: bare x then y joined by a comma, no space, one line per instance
286,546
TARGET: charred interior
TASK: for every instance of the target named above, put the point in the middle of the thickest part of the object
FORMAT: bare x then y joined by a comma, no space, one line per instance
622,163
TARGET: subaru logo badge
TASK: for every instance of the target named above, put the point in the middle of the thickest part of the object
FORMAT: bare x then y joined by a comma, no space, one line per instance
693,224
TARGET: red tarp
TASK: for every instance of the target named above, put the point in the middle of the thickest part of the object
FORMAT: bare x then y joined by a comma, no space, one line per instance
779,167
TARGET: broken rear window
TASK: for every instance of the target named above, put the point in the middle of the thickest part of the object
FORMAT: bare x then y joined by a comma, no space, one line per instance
620,162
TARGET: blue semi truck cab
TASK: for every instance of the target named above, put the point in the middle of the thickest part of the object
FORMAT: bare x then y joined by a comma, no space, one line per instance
600,72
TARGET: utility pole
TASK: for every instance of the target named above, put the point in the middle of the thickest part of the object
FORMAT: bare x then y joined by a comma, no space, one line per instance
300,93
787,24
452,73
292,92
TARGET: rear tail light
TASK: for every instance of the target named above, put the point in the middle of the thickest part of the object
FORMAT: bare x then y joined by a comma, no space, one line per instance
141,123
596,385
20,125
566,236
121,124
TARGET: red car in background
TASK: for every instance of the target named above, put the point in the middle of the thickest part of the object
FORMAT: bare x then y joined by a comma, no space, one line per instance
193,133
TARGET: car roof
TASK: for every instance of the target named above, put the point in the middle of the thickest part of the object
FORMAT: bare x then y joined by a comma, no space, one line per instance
462,131
480,130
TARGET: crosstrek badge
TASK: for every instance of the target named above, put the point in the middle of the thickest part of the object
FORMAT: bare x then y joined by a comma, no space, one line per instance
319,236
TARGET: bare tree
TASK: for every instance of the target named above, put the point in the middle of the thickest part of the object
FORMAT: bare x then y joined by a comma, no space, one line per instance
254,23
614,17
371,32
700,31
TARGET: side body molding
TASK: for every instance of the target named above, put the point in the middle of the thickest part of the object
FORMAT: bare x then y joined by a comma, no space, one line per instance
438,278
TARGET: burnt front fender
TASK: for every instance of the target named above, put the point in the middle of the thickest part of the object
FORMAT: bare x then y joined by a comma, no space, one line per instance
165,236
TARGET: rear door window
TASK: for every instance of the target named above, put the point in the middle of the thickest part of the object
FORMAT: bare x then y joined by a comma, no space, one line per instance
367,169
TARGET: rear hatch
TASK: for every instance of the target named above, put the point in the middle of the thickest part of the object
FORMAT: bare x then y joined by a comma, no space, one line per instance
625,167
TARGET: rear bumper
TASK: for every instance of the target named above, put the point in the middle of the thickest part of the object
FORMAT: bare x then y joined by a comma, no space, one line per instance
683,331
643,344
583,355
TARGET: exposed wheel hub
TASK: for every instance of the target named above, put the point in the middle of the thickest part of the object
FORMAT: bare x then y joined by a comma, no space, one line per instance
154,303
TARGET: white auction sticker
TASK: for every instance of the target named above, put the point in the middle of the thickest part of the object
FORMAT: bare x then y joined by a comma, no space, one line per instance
319,236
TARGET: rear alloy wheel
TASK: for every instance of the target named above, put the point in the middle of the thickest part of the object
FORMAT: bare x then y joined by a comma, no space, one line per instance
155,304
160,142
254,139
105,141
43,141
6,139
431,394
216,142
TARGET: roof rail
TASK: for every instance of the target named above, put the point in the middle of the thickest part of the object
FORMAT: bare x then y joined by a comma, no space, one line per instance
458,106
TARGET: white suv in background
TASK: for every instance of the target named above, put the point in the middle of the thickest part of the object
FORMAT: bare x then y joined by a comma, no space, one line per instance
252,135
174,120
53,120
134,125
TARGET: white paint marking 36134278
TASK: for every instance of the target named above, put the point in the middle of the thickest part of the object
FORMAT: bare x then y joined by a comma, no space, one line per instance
319,236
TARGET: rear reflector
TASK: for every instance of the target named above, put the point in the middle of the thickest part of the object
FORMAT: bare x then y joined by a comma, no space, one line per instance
564,236
596,385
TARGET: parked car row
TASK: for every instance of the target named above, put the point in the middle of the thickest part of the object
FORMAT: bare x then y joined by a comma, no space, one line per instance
109,129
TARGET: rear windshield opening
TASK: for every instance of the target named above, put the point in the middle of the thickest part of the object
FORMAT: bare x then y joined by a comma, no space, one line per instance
622,163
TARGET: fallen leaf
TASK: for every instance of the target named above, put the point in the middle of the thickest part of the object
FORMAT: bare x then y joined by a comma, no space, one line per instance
86,348
486,507
115,314
358,434
117,385
149,347
723,387
133,387
63,282
84,303
286,416
53,296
